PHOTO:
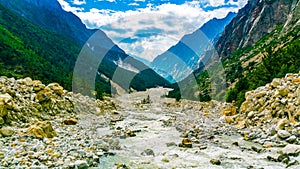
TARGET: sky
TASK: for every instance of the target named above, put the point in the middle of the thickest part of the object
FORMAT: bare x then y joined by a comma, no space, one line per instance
147,28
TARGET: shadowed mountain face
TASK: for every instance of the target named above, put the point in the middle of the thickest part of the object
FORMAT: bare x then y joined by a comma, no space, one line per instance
184,57
48,15
256,19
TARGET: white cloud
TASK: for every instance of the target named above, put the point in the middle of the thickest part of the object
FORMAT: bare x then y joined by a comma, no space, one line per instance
79,2
174,21
66,6
133,4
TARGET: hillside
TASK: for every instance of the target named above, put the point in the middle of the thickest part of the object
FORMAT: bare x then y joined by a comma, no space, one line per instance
269,55
48,56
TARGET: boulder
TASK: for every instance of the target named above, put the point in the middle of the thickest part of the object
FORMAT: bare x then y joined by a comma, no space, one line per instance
291,149
81,164
186,143
56,88
27,81
70,121
148,152
281,124
41,130
38,85
43,95
6,131
276,82
283,134
283,91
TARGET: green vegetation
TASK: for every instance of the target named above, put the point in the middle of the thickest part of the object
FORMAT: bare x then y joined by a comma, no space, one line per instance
27,50
273,56
276,62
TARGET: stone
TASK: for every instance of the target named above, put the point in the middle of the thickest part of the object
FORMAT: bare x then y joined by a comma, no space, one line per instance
38,85
43,95
3,109
296,81
228,119
27,81
130,133
215,161
81,164
41,130
166,160
283,134
281,124
291,139
291,149
186,143
283,91
246,107
276,82
56,88
70,121
5,98
229,111
171,144
148,152
1,121
6,131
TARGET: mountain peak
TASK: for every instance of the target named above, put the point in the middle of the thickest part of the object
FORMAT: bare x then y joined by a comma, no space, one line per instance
256,19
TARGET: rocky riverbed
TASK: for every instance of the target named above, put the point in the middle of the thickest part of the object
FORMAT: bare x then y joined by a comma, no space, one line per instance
48,127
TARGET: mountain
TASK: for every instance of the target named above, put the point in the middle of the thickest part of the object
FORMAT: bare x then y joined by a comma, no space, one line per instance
181,59
256,19
261,43
45,19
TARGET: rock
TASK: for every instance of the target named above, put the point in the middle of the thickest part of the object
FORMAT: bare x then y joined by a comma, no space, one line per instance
130,133
291,139
215,161
1,121
38,85
148,152
43,95
283,134
291,149
297,80
166,160
284,158
229,111
70,121
56,88
27,81
171,144
6,131
186,143
41,130
81,164
281,124
3,110
283,91
5,98
246,107
276,82
228,119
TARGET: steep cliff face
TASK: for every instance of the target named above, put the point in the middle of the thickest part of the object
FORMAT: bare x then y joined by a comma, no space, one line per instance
256,19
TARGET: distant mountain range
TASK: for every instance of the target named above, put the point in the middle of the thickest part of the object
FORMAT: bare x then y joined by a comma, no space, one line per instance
48,22
183,58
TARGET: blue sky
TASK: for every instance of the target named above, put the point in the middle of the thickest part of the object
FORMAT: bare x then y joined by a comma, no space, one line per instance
147,28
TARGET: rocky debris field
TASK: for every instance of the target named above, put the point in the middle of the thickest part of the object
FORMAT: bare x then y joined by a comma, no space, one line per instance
45,126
